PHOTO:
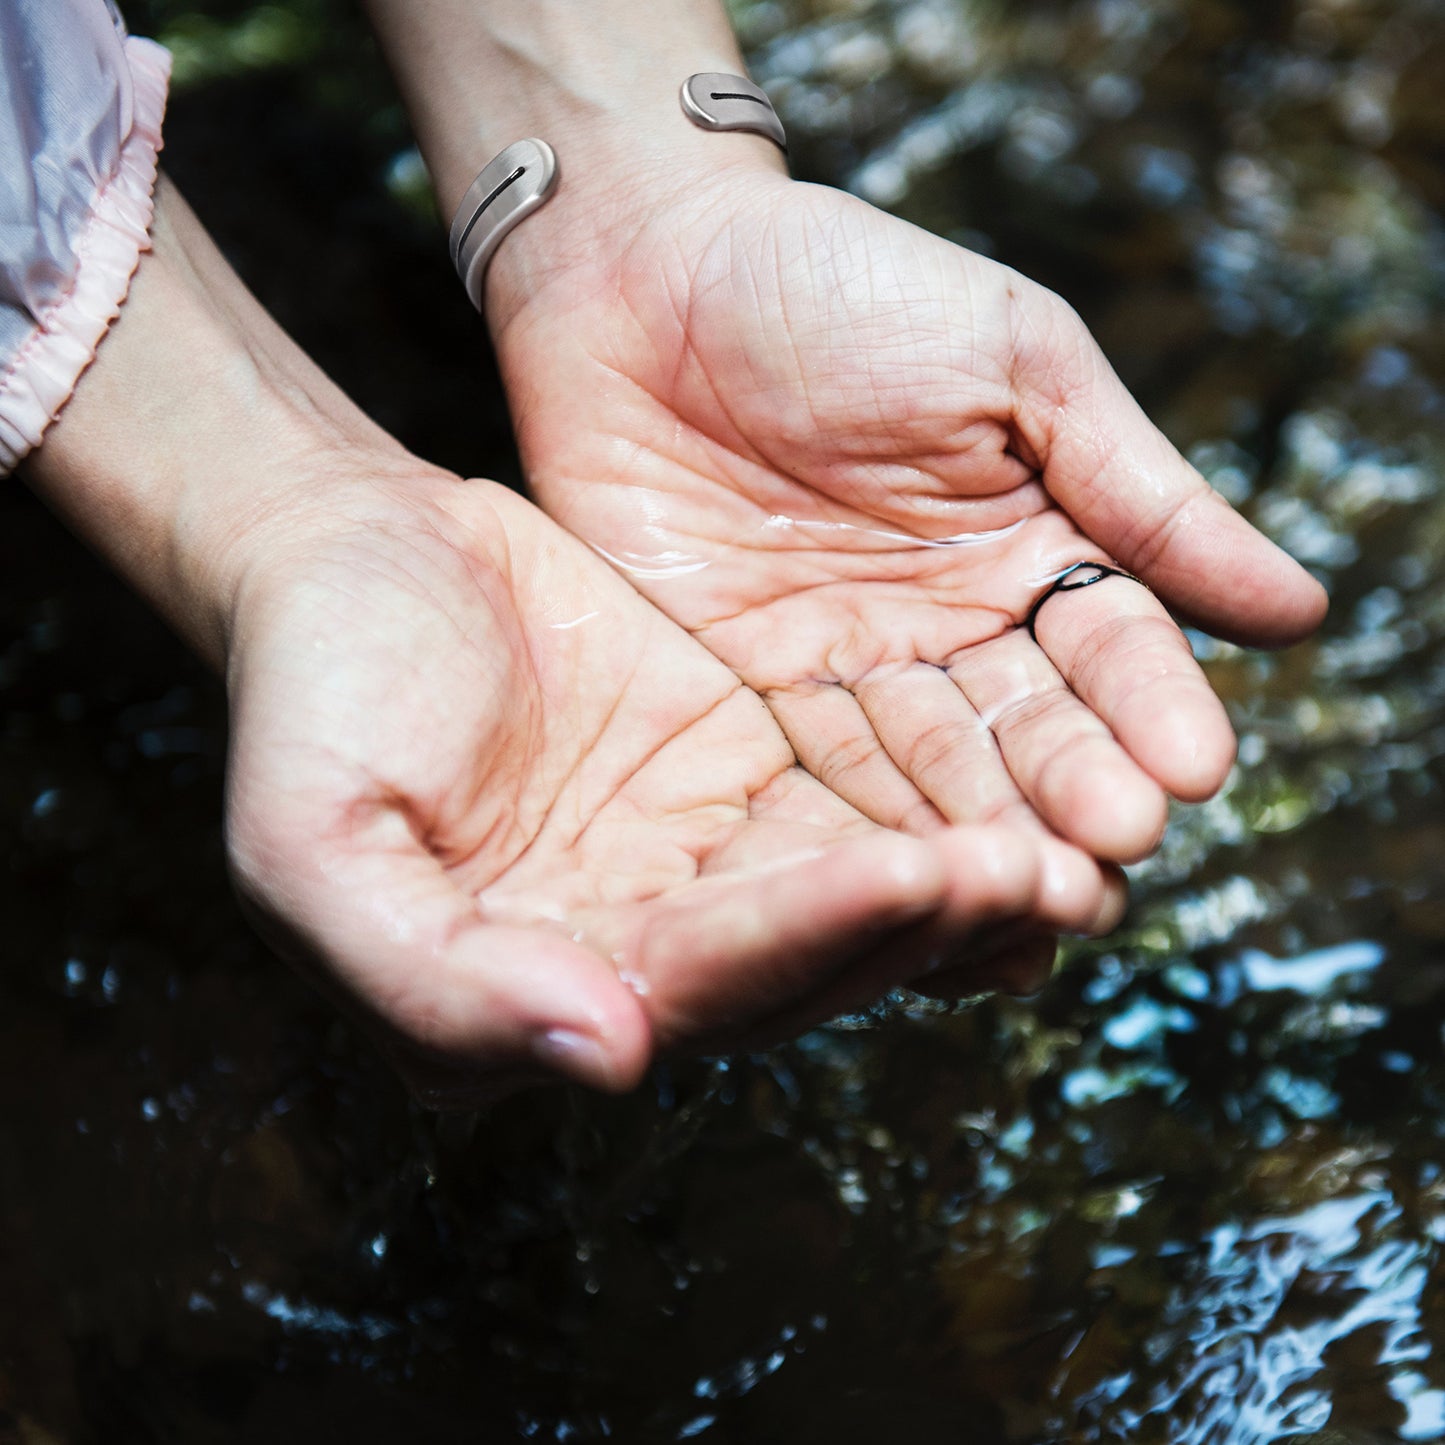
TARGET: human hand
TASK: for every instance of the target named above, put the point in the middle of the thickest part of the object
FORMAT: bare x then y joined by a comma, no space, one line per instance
493,799
848,457
526,826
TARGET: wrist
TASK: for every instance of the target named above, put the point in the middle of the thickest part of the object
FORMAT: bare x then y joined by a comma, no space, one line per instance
197,424
477,77
614,201
600,84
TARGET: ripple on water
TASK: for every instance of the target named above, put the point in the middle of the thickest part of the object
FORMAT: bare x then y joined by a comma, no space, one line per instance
1191,1194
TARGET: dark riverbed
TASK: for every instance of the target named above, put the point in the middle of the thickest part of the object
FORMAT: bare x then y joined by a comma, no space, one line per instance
1194,1194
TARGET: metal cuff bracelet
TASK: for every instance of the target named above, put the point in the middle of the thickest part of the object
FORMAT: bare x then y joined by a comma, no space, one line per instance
728,102
520,179
510,187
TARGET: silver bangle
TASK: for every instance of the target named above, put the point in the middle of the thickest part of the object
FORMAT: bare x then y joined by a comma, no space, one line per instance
509,188
728,102
518,180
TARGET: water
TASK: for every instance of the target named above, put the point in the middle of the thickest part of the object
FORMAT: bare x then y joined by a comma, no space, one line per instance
1195,1193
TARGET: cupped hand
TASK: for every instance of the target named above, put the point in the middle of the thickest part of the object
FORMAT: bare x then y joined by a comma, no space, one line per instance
848,457
527,826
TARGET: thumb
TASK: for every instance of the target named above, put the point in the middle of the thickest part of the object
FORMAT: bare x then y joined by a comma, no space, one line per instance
1123,483
464,1007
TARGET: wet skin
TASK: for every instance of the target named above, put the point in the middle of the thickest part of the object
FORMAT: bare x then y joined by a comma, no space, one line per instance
522,821
500,805
848,457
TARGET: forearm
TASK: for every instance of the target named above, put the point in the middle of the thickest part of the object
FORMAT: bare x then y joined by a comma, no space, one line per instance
197,420
597,79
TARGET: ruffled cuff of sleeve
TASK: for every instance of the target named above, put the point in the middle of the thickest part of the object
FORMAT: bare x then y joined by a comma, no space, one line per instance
43,372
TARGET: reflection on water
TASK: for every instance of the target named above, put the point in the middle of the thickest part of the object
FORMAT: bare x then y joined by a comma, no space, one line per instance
1193,1194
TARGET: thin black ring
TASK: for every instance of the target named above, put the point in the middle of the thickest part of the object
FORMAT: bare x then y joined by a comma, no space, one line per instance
1062,584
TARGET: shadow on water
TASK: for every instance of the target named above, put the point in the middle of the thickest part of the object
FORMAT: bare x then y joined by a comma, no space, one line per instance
1194,1193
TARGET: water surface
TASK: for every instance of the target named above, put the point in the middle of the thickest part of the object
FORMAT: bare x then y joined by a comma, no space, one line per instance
1194,1193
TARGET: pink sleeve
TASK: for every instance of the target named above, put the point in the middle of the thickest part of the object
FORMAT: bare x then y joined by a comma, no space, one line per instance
54,329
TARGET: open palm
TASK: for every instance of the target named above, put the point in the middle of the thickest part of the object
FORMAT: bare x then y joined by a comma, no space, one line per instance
848,457
526,824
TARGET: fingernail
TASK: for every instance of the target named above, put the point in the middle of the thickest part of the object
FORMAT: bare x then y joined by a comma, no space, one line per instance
577,1055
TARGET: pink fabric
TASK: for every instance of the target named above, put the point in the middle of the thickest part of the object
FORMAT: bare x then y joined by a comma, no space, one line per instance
43,373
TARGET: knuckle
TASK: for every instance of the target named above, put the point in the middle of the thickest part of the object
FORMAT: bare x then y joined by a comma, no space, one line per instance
1064,762
919,819
1104,647
1139,650
935,748
847,758
1151,539
1041,321
1038,708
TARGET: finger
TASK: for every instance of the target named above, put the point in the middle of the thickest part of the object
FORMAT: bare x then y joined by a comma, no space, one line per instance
935,735
1078,893
451,993
711,959
834,740
1072,893
1127,487
1121,653
940,743
1062,756
991,876
993,932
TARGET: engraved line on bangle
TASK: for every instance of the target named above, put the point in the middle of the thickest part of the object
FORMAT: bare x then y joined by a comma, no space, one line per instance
513,184
477,214
712,101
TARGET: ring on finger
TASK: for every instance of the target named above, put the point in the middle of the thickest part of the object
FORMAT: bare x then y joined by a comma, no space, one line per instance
1081,574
